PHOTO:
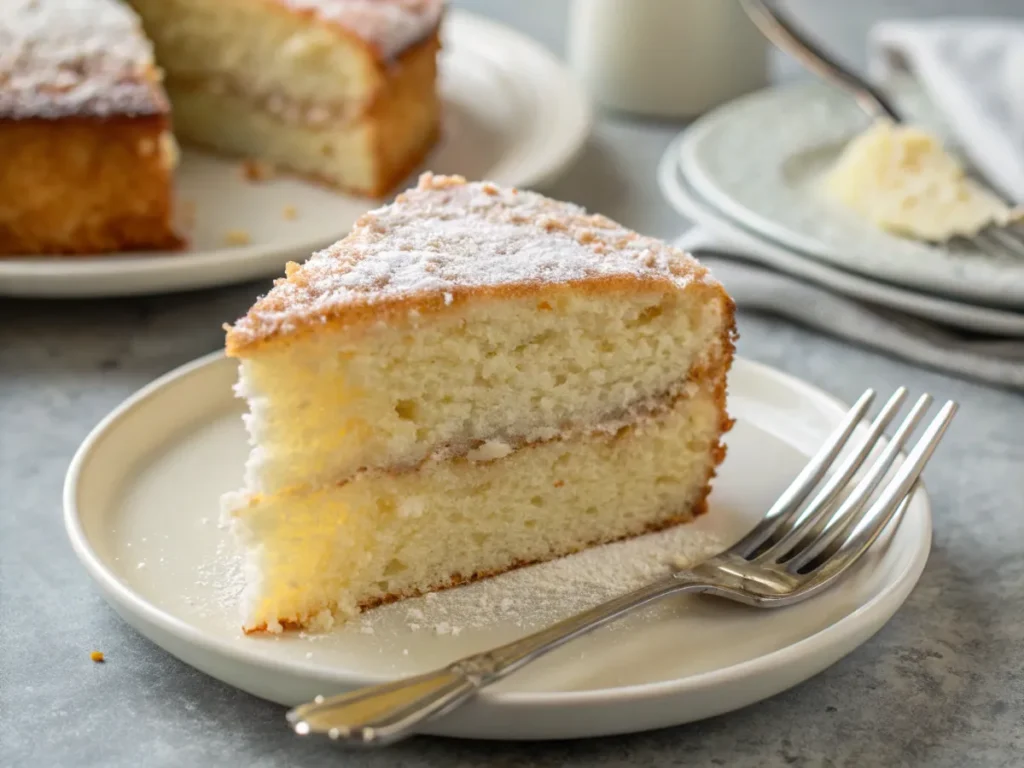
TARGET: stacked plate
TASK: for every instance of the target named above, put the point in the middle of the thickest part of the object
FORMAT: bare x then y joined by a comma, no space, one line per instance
751,174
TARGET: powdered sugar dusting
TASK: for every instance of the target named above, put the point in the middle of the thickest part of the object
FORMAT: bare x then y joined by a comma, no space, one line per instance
224,577
61,58
447,237
540,595
389,26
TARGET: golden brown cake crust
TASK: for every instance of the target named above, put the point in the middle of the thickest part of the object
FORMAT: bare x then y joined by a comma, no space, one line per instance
80,186
448,240
407,102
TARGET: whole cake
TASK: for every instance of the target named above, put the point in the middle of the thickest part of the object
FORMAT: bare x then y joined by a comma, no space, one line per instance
342,91
475,379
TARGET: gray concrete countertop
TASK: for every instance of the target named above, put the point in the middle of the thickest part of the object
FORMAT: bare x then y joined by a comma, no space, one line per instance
941,685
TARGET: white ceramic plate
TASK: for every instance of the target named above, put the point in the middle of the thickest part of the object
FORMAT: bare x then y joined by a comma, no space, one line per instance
143,489
681,196
761,161
512,114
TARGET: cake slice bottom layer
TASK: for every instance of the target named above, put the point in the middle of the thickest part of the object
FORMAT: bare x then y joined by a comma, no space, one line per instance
316,556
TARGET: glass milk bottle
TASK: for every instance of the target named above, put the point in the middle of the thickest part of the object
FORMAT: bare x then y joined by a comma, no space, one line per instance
665,58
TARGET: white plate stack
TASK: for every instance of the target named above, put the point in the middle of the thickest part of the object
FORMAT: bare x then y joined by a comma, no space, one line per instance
750,176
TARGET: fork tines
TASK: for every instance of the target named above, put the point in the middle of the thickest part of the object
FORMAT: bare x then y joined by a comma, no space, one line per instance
999,241
850,506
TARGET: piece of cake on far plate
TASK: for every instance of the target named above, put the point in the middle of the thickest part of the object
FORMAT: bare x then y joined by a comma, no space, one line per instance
86,155
343,91
475,379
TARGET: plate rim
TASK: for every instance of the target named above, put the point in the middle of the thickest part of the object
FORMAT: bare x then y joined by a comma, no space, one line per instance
159,272
685,200
120,596
938,283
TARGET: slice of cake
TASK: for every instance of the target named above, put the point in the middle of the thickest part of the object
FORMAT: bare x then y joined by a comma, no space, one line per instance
342,91
901,179
475,379
87,156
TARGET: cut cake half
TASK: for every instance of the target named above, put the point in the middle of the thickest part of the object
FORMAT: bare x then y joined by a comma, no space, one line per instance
342,91
475,379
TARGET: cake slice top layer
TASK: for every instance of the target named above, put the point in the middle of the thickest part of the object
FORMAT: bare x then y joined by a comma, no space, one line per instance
448,239
387,26
75,58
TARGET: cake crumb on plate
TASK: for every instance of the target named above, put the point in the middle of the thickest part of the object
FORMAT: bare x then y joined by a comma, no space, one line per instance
237,237
256,171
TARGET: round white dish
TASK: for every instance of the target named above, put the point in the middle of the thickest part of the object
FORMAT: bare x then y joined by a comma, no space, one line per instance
513,114
761,161
681,196
140,504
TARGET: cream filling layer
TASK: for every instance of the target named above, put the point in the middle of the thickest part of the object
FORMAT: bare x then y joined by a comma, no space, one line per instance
287,109
498,447
315,555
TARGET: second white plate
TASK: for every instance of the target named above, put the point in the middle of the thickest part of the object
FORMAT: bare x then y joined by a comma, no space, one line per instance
141,512
512,114
956,314
761,161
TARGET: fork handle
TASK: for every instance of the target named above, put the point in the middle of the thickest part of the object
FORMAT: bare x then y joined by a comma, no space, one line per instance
383,714
786,36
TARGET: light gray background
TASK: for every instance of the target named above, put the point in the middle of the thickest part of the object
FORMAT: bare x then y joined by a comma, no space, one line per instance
941,685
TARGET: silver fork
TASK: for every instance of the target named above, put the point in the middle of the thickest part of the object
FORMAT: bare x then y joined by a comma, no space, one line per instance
995,240
796,551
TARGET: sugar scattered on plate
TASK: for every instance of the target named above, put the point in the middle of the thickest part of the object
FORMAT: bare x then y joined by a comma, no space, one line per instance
526,598
542,594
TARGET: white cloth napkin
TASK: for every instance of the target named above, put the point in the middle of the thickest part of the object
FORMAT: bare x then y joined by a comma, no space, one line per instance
973,71
753,286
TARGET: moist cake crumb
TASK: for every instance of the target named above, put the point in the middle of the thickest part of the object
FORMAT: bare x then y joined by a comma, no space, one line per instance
256,171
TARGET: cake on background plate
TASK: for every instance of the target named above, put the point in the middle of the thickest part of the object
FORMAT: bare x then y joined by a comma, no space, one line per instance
86,154
475,379
339,91
342,91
